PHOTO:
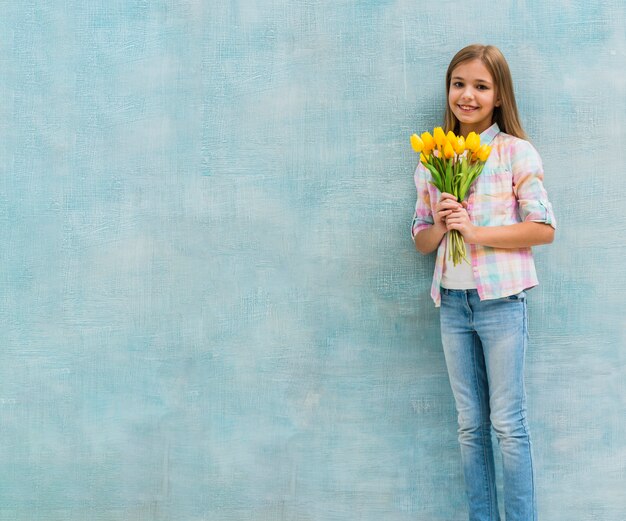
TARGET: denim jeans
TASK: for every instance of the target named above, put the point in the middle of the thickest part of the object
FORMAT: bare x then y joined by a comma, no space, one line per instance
484,344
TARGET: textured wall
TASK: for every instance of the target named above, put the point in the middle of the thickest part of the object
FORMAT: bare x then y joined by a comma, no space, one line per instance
210,305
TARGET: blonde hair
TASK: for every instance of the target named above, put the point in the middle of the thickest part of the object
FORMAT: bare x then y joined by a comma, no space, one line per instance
505,115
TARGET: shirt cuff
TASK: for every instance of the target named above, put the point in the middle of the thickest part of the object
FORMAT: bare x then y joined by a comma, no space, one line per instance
537,211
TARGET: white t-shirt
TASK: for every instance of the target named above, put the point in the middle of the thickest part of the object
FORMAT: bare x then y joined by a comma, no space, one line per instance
460,276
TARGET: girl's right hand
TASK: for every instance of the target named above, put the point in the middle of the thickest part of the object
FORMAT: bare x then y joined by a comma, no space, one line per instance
446,205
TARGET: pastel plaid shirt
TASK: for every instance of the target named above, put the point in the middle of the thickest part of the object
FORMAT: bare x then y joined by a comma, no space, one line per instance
509,190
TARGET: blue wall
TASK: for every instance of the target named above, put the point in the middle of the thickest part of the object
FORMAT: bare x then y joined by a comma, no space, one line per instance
210,305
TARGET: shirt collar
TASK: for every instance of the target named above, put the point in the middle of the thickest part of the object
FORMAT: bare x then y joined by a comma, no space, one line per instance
486,136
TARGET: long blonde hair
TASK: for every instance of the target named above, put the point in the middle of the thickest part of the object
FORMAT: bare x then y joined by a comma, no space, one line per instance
506,115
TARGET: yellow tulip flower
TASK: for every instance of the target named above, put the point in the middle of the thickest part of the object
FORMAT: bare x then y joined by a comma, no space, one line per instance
423,158
452,139
439,136
483,152
428,140
460,145
448,151
417,143
472,142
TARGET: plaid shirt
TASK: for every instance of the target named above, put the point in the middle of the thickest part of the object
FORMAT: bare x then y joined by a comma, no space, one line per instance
509,190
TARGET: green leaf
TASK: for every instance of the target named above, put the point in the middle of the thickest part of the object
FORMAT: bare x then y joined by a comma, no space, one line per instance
436,177
448,179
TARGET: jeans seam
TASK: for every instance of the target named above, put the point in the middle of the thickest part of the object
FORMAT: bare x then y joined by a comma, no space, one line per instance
485,462
524,423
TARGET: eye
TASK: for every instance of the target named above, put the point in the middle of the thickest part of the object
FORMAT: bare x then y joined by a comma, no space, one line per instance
483,87
457,84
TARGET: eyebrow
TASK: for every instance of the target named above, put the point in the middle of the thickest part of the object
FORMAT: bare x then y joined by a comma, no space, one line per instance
478,80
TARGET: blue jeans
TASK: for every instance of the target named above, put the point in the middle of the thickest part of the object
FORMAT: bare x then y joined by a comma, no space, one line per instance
484,344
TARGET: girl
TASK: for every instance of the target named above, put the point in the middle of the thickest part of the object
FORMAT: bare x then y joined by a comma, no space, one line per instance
484,327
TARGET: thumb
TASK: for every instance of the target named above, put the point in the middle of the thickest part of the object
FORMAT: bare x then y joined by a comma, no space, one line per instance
464,203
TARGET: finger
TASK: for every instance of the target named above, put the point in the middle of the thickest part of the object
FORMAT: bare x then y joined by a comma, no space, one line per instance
446,195
455,218
449,204
443,218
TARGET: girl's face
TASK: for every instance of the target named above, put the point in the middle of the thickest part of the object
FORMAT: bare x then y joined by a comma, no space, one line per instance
472,96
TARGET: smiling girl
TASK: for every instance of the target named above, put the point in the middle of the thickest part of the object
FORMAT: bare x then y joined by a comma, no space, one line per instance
483,315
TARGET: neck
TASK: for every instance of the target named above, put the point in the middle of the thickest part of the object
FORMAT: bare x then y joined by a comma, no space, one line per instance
466,129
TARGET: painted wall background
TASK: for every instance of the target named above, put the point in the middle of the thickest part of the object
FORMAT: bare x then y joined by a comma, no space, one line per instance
210,305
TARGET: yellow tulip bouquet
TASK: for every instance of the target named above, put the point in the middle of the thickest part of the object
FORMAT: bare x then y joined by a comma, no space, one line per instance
454,163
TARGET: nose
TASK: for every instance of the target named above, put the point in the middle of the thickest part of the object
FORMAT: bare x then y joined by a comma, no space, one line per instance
467,93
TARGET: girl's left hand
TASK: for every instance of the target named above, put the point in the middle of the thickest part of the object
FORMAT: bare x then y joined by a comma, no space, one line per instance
459,220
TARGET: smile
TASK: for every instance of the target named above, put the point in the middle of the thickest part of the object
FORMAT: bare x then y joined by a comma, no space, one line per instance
467,108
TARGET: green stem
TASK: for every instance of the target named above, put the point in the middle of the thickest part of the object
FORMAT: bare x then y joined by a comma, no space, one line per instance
456,248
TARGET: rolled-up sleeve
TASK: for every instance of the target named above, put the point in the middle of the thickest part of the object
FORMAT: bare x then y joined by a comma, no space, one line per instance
423,216
532,197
